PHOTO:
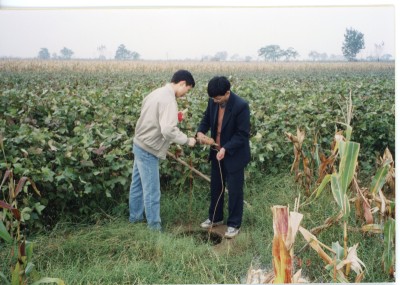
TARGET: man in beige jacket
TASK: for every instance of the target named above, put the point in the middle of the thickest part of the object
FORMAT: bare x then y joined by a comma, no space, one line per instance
155,130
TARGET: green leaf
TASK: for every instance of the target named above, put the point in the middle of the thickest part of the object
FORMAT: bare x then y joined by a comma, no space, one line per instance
26,214
337,189
339,250
29,250
380,178
15,275
389,253
316,156
321,186
348,162
348,131
4,233
39,208
47,174
4,278
29,267
340,195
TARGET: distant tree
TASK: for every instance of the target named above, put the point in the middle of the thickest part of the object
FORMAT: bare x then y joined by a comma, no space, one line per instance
123,53
135,55
54,55
235,57
205,58
271,52
101,49
335,57
379,50
353,43
44,53
290,53
220,56
247,58
66,53
313,55
323,56
386,57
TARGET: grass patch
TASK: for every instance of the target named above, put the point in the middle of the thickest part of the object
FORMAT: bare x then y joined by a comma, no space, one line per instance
116,252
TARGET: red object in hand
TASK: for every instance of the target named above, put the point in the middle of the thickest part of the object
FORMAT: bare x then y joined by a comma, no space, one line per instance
180,116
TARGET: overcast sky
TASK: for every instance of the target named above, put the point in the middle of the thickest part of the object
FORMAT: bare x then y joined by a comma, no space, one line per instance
179,32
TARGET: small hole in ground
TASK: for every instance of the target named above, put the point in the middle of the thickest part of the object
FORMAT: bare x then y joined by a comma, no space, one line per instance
203,236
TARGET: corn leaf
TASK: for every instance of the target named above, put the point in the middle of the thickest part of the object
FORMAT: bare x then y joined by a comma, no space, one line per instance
21,184
367,213
316,156
46,280
15,275
389,253
348,162
4,233
355,263
314,243
339,250
373,228
6,175
348,131
321,186
294,224
5,205
339,275
380,178
340,195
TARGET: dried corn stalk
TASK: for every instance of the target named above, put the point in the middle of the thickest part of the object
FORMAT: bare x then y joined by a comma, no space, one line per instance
390,177
285,230
297,143
286,226
341,259
298,155
327,165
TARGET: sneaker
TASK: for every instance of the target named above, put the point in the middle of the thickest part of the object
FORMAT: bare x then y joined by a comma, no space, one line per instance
208,224
231,232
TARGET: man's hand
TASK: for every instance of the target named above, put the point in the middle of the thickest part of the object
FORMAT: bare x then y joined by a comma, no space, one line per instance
221,154
203,139
200,134
191,142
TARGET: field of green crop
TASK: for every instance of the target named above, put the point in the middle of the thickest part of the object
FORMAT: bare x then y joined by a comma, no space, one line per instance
68,126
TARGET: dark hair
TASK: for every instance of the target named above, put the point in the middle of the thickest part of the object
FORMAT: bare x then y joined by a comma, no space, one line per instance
218,86
183,75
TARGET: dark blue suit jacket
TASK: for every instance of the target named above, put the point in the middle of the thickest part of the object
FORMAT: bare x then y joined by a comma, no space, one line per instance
235,132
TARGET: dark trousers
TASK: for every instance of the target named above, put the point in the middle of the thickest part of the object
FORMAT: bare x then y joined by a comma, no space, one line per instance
234,183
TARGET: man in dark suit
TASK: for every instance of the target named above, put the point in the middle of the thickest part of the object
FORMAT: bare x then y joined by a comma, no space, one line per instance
228,118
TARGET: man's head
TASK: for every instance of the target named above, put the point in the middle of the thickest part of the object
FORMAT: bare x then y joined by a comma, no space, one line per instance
183,82
219,89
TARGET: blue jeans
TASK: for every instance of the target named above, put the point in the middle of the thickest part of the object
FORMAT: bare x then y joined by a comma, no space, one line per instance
144,193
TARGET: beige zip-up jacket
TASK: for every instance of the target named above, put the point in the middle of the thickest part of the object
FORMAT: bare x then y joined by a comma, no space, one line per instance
156,127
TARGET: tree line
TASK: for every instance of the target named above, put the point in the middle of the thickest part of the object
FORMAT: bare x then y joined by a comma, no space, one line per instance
122,53
353,43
